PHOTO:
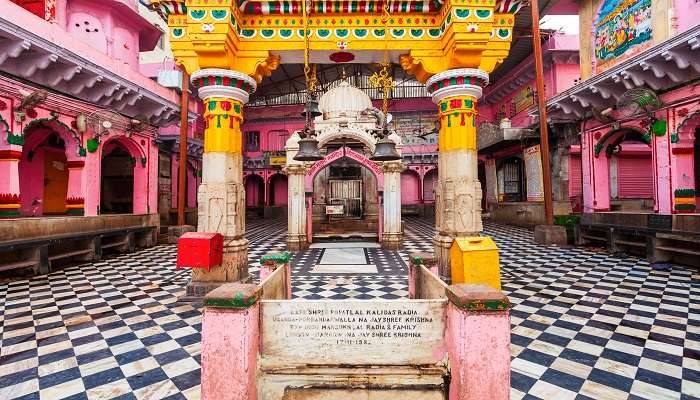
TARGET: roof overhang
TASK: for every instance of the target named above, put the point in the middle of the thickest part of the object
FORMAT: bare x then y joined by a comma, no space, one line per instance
660,68
171,143
496,138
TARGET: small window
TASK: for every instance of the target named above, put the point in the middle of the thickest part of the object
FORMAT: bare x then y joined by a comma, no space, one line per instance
252,141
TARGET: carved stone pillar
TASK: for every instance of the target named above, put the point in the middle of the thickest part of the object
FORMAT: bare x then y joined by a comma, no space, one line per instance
221,195
458,192
392,236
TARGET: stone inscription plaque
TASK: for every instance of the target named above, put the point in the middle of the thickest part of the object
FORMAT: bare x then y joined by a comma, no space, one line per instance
359,332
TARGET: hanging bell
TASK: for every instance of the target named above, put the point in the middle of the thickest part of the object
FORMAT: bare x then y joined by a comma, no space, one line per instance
308,150
311,108
385,150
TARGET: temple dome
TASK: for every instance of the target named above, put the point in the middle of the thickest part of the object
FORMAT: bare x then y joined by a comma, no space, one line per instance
344,100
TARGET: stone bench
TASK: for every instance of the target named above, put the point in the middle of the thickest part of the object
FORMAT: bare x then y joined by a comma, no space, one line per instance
41,253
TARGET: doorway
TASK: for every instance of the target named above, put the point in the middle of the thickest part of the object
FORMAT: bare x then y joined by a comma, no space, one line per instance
117,183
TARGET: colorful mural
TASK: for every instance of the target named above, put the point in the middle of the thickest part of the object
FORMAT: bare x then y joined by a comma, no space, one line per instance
623,28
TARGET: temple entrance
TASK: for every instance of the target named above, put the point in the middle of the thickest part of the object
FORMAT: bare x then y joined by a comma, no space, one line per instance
345,202
117,183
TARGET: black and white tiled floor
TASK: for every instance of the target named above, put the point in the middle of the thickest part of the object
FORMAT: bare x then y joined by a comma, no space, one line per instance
586,325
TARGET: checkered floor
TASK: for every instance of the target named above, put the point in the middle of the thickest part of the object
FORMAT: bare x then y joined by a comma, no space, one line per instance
586,325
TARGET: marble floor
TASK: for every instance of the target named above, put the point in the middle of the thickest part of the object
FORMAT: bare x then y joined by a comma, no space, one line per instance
586,324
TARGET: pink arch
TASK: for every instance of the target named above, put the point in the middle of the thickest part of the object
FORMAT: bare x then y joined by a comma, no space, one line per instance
37,131
141,184
344,152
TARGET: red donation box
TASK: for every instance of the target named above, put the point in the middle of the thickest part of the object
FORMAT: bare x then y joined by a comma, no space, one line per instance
200,250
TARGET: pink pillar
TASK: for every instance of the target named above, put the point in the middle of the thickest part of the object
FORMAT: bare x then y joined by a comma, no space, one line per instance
141,188
174,172
230,342
266,190
596,175
75,200
92,178
661,157
310,218
478,343
9,183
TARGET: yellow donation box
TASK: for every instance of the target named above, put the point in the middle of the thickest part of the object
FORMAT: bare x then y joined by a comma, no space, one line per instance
475,261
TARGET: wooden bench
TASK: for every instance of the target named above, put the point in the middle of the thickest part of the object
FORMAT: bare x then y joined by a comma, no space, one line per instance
41,253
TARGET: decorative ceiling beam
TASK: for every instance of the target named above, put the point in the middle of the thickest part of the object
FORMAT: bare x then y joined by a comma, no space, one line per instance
12,49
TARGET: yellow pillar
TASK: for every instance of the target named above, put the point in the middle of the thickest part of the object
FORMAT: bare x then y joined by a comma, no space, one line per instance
458,191
221,196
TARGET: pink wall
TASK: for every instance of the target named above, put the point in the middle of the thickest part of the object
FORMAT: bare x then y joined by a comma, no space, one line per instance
278,190
410,187
112,27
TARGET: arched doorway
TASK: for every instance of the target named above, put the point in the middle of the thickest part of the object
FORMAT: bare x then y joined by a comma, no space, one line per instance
278,190
254,193
429,181
117,179
43,173
345,201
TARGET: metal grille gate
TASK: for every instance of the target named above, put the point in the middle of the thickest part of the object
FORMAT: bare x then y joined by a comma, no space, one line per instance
347,193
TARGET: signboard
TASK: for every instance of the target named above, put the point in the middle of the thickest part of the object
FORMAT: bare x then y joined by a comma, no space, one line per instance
523,99
335,210
409,125
352,332
623,28
533,172
280,160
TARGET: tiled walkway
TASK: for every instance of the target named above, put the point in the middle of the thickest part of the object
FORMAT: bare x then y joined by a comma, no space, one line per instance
586,325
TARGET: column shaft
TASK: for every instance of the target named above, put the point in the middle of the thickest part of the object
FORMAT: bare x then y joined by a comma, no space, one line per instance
221,195
458,191
392,236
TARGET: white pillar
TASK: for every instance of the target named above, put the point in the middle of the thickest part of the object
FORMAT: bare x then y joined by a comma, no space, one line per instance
296,202
392,237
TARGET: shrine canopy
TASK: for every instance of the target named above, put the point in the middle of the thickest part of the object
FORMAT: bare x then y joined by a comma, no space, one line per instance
423,36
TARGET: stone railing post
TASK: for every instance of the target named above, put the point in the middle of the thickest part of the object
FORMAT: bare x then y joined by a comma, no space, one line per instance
230,342
415,261
478,342
270,262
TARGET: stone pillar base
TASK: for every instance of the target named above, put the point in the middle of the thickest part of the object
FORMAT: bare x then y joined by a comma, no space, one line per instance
233,268
442,245
392,241
550,234
297,243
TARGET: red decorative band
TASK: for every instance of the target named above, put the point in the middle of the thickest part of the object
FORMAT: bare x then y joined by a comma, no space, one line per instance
76,164
10,155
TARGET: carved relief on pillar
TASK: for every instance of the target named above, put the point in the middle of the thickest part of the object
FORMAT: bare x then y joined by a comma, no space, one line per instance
220,209
396,167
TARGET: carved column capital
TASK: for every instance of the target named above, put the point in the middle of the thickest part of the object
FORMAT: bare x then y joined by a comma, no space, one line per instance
393,166
295,169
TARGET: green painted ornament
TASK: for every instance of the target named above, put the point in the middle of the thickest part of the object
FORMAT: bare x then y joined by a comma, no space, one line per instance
658,127
92,145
